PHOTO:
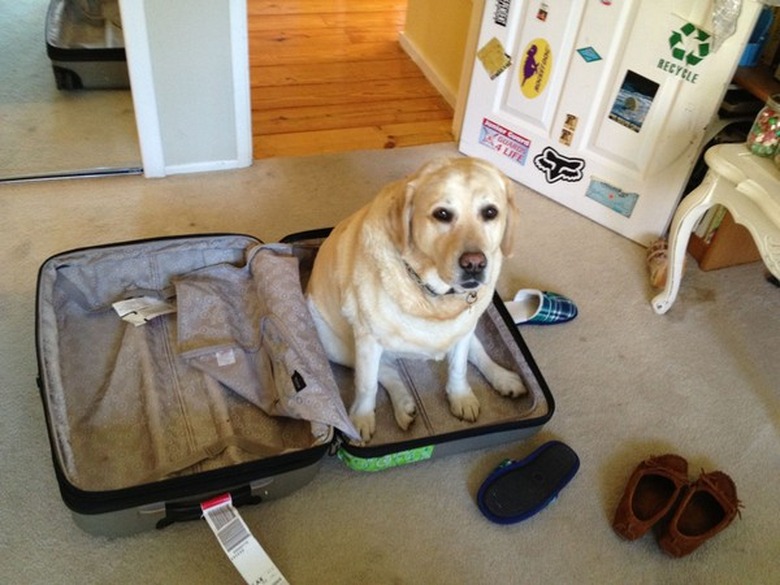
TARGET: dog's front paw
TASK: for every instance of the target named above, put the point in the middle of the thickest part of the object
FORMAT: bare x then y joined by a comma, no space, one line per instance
464,405
365,423
405,412
404,405
508,383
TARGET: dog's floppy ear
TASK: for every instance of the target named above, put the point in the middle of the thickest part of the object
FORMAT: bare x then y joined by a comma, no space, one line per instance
401,206
399,217
512,216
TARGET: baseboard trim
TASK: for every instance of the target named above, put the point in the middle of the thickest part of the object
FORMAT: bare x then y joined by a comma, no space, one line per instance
431,74
207,167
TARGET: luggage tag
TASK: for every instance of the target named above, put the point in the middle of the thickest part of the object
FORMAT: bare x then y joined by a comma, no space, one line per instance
243,550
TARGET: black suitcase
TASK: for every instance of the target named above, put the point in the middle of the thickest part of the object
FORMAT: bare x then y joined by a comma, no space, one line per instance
217,394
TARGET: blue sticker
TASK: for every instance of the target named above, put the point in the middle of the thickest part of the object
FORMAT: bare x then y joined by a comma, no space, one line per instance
612,197
557,167
589,54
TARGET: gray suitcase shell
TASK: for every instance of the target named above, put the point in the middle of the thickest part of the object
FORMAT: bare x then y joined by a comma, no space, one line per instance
140,434
85,45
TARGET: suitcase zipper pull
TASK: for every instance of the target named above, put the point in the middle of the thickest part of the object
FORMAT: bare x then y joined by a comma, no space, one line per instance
335,444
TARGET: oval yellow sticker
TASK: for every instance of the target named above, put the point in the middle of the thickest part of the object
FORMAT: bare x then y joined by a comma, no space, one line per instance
535,68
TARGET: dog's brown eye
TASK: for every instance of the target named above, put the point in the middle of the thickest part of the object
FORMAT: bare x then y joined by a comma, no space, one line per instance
442,215
489,212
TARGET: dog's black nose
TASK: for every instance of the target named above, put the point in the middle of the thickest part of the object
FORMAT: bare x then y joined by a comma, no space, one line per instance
473,262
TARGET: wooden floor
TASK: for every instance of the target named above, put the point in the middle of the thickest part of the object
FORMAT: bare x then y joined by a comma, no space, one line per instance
330,75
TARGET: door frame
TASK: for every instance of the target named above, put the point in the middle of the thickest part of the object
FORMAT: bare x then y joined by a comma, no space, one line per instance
145,92
469,54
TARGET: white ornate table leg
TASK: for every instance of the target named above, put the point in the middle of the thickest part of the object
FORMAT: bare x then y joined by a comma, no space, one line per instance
770,251
749,187
688,213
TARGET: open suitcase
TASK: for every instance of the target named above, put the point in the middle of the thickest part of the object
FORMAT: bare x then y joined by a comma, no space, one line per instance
227,388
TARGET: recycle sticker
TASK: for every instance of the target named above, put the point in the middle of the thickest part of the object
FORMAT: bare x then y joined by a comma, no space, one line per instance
690,44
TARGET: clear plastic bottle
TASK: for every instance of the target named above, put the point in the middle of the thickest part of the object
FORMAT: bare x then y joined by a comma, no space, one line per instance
764,136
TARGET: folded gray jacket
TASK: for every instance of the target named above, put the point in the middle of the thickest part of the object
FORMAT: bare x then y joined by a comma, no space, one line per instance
249,328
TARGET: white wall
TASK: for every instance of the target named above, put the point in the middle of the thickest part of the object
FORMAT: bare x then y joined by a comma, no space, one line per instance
189,71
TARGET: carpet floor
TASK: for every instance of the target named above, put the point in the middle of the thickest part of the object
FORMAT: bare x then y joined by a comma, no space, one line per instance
700,381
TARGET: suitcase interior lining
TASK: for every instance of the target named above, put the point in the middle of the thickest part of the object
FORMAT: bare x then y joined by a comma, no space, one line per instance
426,380
123,407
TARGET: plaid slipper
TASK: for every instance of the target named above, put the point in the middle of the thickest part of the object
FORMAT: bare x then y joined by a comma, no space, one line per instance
536,307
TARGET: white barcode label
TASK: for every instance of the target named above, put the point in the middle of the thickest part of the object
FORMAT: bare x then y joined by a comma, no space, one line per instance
221,516
243,550
233,535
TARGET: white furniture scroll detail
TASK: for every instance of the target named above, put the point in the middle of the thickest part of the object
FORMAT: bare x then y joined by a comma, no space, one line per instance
749,187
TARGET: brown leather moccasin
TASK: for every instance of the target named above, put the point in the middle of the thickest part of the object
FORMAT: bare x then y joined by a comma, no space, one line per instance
708,505
653,488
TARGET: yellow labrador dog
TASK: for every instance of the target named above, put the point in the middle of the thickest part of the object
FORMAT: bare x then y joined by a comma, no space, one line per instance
410,274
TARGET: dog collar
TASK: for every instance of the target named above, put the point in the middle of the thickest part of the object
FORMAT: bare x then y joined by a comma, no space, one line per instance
471,297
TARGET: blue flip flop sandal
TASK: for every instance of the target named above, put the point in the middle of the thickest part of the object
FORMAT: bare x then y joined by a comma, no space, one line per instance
516,490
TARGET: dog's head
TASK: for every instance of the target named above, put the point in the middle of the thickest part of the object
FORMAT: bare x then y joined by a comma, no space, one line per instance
453,223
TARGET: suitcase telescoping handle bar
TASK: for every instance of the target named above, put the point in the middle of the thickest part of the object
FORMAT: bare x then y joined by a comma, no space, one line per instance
186,511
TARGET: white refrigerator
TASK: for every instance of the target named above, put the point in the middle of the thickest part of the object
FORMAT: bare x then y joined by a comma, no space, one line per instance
602,105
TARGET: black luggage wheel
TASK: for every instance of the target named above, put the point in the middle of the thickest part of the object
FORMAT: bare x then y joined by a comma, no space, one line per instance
67,79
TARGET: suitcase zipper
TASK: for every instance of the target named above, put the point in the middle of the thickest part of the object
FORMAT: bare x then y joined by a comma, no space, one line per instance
335,444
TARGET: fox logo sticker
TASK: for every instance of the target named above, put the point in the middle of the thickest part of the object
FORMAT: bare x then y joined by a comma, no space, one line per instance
557,167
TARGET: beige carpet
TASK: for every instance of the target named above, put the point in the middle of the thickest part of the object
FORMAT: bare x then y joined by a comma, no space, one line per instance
701,381
46,131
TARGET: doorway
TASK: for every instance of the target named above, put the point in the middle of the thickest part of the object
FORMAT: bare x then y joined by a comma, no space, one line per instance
331,76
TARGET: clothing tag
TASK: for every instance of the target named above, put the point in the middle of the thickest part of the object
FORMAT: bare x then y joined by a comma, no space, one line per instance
225,357
243,550
141,310
299,383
